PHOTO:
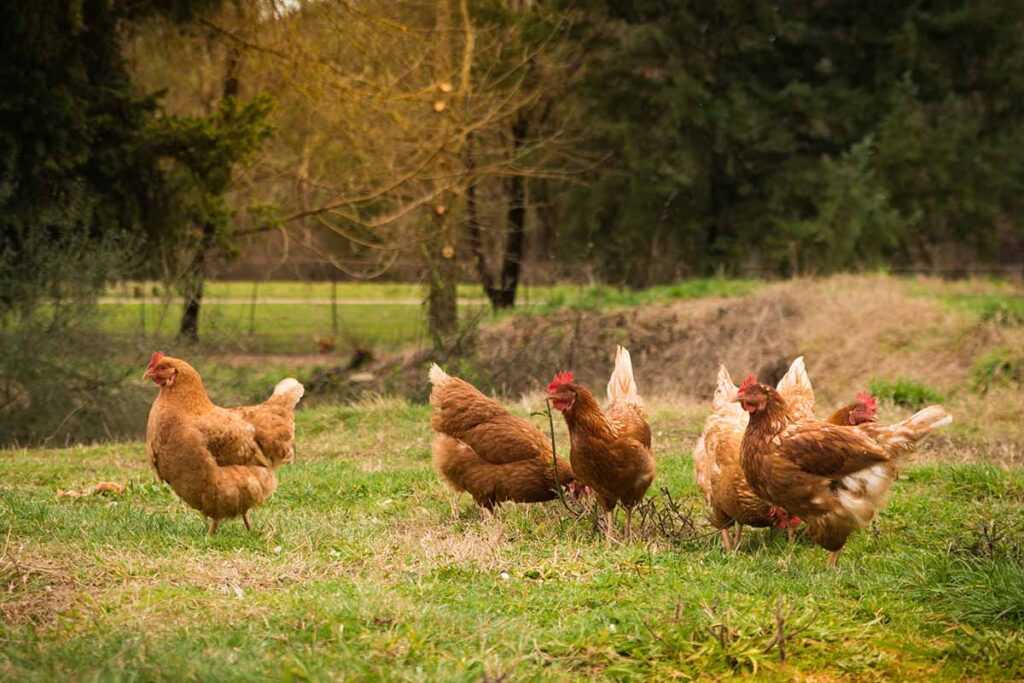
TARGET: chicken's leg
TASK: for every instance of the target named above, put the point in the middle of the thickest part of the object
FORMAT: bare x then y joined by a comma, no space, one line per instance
629,524
245,520
609,522
833,559
726,539
739,532
791,533
213,526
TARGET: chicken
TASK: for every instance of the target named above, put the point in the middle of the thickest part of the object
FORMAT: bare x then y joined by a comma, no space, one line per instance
610,451
836,478
864,409
716,458
220,461
481,448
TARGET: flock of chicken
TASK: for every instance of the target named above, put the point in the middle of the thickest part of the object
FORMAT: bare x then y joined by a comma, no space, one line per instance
763,460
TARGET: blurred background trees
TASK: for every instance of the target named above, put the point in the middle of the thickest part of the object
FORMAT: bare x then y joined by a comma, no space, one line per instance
636,142
495,142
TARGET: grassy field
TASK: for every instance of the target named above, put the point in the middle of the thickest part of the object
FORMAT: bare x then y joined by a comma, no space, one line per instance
296,325
363,567
287,328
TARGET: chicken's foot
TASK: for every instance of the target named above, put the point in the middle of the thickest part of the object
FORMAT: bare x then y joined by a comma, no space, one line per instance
726,539
833,559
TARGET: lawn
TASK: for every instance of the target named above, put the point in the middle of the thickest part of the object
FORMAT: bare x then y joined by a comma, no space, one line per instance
363,566
288,328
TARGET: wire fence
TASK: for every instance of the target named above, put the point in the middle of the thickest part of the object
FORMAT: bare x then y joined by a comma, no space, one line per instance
317,316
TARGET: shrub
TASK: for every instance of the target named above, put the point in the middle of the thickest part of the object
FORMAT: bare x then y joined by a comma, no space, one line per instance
1006,312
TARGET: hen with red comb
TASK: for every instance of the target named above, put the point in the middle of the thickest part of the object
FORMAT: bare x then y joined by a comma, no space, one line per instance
563,377
834,474
610,449
220,461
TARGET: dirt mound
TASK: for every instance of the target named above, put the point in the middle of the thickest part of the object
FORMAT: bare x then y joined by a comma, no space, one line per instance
850,328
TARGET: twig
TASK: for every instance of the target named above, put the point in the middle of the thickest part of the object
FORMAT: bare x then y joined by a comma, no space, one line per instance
554,461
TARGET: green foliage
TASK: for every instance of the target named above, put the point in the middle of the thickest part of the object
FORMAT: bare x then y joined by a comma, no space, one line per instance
999,367
206,152
1006,312
794,137
75,155
904,392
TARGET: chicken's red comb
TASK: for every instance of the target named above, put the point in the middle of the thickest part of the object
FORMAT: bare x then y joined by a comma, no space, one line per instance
564,377
747,383
156,358
869,401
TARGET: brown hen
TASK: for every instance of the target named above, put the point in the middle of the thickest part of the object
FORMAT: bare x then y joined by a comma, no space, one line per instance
611,450
716,458
481,448
220,461
835,477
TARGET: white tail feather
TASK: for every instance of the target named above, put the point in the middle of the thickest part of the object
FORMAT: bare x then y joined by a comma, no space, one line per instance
725,390
291,389
437,375
621,386
930,418
796,376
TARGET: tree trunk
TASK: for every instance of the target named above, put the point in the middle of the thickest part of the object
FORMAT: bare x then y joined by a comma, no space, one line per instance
512,262
442,311
476,240
547,239
195,278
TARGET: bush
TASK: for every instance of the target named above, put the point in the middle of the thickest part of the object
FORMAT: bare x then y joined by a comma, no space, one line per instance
904,392
60,380
1000,367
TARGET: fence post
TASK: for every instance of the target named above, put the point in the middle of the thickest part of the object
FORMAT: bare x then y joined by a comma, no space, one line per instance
334,305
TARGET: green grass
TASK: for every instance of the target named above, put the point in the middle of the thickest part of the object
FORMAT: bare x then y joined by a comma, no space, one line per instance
295,327
361,568
273,328
985,300
904,392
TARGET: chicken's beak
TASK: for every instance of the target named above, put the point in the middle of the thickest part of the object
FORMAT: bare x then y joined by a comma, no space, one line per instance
148,373
738,399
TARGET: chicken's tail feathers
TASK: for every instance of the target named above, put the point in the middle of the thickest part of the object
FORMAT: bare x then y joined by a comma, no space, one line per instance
725,390
903,437
931,418
436,375
290,389
621,385
795,387
796,378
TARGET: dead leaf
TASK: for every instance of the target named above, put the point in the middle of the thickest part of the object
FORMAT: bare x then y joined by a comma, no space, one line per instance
102,487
